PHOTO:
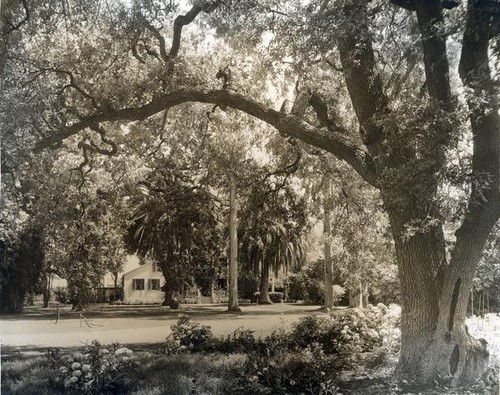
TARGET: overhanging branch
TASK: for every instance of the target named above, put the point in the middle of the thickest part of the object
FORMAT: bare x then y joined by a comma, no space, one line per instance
331,141
183,20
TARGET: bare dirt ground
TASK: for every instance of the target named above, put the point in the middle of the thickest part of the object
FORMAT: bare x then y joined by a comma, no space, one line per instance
39,328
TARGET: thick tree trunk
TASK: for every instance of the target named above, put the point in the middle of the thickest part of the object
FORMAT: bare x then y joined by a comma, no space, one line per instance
264,284
328,259
233,304
435,344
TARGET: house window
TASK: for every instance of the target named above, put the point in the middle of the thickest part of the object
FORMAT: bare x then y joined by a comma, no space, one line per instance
154,284
138,284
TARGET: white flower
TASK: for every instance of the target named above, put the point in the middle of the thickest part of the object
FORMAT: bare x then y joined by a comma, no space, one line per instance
76,365
120,351
86,368
63,369
73,379
104,351
77,373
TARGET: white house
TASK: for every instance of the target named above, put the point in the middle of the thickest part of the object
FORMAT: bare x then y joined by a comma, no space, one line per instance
143,284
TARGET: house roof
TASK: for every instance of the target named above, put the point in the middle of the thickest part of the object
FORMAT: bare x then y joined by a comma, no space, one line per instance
139,269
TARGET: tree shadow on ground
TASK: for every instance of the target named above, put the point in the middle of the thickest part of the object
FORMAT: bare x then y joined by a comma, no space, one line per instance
154,312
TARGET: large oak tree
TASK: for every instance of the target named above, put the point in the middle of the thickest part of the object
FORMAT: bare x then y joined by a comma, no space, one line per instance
406,123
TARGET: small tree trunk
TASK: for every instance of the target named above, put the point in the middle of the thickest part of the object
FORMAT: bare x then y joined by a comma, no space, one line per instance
360,296
115,285
233,304
46,298
471,302
264,284
488,301
328,258
46,290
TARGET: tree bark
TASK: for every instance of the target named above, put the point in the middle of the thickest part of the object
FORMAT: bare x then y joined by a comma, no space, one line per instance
264,284
233,304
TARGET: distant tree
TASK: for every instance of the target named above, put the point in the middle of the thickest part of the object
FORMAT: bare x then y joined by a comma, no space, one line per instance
172,225
308,283
231,158
21,261
272,226
485,291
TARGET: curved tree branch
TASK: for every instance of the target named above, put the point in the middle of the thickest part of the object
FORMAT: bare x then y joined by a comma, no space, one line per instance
161,40
73,84
183,20
333,142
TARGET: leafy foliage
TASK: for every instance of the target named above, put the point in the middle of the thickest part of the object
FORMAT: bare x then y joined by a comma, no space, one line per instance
176,223
307,284
21,263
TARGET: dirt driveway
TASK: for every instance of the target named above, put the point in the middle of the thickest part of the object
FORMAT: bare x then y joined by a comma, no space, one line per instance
136,324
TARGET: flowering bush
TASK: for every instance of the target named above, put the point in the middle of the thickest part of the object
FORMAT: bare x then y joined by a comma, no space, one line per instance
98,369
241,340
190,335
350,335
287,372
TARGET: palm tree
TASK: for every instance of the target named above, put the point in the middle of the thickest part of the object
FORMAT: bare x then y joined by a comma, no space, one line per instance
272,237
